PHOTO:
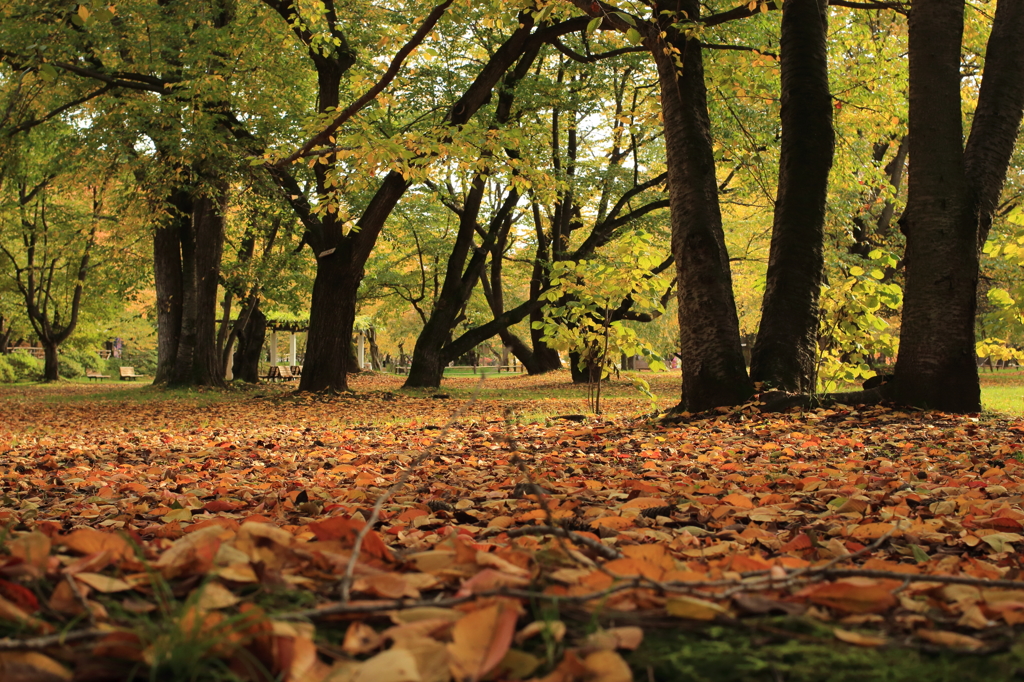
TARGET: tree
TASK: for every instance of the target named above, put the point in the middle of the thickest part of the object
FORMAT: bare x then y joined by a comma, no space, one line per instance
784,353
952,193
48,234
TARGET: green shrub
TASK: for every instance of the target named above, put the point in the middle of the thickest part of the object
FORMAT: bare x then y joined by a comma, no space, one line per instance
68,367
88,359
7,375
26,367
144,361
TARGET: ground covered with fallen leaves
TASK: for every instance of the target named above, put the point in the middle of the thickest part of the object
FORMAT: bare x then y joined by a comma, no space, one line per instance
210,536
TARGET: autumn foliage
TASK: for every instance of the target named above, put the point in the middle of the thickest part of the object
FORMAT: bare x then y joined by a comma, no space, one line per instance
153,535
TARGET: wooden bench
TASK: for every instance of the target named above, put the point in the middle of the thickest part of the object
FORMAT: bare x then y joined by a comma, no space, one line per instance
280,373
93,374
128,374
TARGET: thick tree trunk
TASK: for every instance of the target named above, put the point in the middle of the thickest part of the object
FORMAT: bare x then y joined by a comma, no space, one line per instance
167,274
784,353
427,368
952,195
249,346
712,359
331,316
545,358
936,364
197,362
51,361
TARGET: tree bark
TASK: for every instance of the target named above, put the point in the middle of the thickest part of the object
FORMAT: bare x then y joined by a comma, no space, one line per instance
784,352
330,324
936,364
952,194
197,362
167,278
251,333
51,362
998,116
427,366
713,370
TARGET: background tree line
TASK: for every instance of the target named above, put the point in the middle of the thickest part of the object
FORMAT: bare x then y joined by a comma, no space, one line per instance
791,174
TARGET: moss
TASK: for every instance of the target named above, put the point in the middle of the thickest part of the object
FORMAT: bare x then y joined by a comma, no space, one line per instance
810,654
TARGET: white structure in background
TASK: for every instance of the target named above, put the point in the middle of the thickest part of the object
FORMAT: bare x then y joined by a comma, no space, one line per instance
292,348
362,351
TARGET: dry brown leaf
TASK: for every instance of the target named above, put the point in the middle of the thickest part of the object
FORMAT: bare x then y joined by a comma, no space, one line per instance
481,639
31,666
361,639
951,639
851,637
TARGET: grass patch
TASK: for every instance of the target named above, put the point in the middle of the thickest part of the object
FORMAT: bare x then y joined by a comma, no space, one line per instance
801,650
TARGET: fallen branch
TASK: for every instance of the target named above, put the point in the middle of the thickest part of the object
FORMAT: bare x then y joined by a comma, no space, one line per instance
599,548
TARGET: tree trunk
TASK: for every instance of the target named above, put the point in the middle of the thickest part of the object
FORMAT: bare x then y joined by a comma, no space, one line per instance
936,364
712,359
998,116
784,352
249,347
331,316
167,274
197,362
952,194
427,357
51,363
6,331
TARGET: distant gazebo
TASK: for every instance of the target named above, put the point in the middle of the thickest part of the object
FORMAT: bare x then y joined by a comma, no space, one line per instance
292,326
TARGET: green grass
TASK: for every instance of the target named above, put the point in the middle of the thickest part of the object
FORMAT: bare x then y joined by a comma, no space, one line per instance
802,650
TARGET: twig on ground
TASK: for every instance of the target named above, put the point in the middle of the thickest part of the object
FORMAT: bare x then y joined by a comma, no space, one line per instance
76,590
346,580
698,588
599,548
47,641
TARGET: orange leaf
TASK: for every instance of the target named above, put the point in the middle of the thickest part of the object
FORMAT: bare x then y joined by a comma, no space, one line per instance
481,639
90,541
854,595
346,529
736,500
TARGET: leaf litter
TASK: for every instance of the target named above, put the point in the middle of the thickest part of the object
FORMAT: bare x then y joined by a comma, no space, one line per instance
144,536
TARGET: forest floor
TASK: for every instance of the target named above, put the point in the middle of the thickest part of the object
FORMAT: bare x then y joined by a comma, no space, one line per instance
221,536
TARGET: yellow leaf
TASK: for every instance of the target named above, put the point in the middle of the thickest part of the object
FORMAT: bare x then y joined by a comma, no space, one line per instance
102,583
607,666
683,606
951,639
857,638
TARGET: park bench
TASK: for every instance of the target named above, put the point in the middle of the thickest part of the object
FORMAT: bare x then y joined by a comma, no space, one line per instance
128,374
93,374
280,373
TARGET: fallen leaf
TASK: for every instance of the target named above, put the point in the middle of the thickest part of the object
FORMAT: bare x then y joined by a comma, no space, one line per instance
481,639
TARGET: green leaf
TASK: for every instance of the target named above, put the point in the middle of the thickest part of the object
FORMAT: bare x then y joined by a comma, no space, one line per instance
626,18
594,24
633,36
856,271
48,72
919,554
